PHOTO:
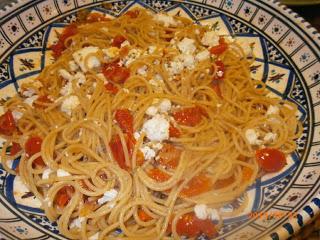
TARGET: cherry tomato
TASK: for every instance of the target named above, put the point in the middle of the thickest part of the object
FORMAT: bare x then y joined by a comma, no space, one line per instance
33,146
118,40
188,116
158,175
116,73
270,159
219,49
59,47
169,155
110,87
96,17
174,132
125,120
63,196
7,124
132,13
42,101
15,148
144,216
190,226
197,185
117,151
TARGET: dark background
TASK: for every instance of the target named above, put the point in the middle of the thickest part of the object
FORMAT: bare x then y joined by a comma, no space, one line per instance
311,13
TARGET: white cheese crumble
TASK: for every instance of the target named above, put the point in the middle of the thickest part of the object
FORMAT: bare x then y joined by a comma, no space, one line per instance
28,92
66,89
187,46
80,57
156,128
151,49
166,20
46,173
125,43
30,100
272,110
187,60
108,196
136,135
73,66
270,137
70,104
203,55
132,56
65,74
62,173
152,111
174,67
210,39
76,223
253,137
142,70
80,78
203,212
17,115
148,152
165,106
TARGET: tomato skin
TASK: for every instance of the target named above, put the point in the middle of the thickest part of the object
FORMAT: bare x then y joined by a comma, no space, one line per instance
118,40
219,49
144,216
132,13
169,155
197,185
125,120
33,146
190,226
15,148
116,73
41,99
158,175
174,132
188,116
63,196
117,151
271,159
110,87
7,124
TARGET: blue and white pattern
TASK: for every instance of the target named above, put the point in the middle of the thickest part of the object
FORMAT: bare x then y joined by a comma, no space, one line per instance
287,52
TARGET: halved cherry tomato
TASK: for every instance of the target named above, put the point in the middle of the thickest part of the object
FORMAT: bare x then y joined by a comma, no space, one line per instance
158,175
110,87
116,73
169,155
174,132
125,120
96,17
219,49
15,148
59,47
133,13
41,101
144,216
270,159
223,182
190,116
7,124
118,40
63,196
33,146
117,151
191,226
197,185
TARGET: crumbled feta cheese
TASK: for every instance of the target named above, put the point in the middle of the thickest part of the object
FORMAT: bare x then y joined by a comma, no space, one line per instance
69,104
73,66
125,43
17,115
46,173
29,92
30,100
111,52
203,212
108,196
80,78
253,137
136,135
65,74
270,137
148,152
156,146
165,106
62,173
76,223
203,55
213,214
187,60
152,111
187,46
156,128
66,89
142,70
272,110
95,236
151,49
132,56
174,67
210,39
165,19
126,90
81,55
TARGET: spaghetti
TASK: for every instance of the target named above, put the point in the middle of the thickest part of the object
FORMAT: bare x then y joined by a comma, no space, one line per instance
147,124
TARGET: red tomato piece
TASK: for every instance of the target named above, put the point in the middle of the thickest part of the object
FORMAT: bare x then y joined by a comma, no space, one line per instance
96,17
116,73
270,159
110,87
15,148
63,196
169,155
59,47
215,85
197,185
144,216
125,120
117,151
133,13
7,124
158,175
188,116
118,40
41,101
174,132
33,146
190,226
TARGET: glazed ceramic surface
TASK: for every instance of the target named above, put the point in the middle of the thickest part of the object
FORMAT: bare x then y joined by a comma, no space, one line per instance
287,51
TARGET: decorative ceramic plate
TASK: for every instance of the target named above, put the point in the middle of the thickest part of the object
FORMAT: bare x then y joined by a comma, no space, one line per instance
287,51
